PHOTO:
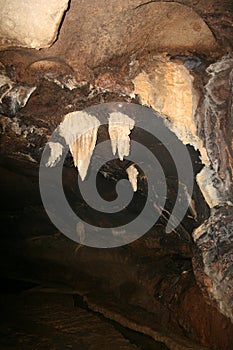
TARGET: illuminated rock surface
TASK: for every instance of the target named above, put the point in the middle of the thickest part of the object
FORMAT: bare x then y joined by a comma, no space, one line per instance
29,24
176,58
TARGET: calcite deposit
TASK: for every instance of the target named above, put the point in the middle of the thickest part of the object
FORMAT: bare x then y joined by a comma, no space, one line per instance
120,126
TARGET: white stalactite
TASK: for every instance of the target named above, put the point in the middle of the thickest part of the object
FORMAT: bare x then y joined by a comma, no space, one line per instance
80,132
120,126
56,150
133,175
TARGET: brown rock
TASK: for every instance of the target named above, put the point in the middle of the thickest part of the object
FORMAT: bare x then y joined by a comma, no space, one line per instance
213,259
95,31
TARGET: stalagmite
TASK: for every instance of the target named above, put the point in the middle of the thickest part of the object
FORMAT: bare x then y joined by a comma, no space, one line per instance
80,132
120,126
132,175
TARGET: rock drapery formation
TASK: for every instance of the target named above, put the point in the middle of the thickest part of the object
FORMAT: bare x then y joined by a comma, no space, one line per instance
174,57
80,134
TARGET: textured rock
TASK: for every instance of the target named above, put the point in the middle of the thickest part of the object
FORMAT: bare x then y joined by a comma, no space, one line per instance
216,128
13,96
133,26
152,279
52,321
116,28
52,70
167,87
213,262
30,24
144,281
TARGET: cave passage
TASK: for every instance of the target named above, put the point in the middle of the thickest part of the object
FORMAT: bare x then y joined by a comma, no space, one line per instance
108,71
151,277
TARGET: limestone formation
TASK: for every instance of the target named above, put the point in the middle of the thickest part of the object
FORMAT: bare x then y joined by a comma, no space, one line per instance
117,28
168,88
13,96
132,175
30,24
120,126
56,150
53,70
80,132
175,57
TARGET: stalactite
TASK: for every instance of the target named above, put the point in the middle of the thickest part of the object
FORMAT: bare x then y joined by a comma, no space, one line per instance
133,175
120,126
55,153
80,132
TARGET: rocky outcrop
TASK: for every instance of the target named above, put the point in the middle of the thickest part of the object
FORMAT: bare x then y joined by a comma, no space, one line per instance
168,88
206,123
93,33
30,24
213,262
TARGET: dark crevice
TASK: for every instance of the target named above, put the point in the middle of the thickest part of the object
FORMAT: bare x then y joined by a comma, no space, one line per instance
143,341
62,21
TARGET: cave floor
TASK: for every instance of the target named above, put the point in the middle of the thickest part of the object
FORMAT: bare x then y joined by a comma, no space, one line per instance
35,319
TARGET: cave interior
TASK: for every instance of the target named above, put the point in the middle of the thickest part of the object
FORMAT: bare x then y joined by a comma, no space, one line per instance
139,93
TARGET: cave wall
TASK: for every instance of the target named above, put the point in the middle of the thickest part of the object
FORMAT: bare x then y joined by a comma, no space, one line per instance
175,57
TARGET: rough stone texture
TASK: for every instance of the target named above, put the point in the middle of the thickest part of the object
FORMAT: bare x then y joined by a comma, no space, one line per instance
43,321
30,24
13,96
30,134
116,28
128,16
218,16
151,280
216,126
130,27
168,88
213,261
53,70
102,46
